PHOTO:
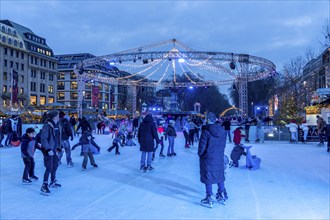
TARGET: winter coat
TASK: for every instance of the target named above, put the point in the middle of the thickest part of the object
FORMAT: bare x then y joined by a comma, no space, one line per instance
304,127
147,134
66,129
170,131
48,136
237,152
226,124
211,151
320,125
293,127
86,144
84,125
28,146
238,136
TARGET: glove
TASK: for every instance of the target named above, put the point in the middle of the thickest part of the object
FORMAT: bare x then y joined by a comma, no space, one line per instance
50,153
59,150
71,138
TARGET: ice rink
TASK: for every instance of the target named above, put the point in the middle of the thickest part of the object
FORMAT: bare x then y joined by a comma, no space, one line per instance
293,183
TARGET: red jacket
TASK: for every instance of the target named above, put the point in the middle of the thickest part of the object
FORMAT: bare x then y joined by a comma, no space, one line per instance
238,136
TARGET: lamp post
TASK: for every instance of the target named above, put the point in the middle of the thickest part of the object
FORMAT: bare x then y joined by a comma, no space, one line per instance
305,93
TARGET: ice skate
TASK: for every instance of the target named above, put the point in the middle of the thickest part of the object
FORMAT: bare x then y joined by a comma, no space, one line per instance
26,181
54,184
34,178
207,202
83,167
95,165
143,169
161,155
221,197
150,169
45,190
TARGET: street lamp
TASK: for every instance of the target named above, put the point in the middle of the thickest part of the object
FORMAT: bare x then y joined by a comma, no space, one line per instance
305,92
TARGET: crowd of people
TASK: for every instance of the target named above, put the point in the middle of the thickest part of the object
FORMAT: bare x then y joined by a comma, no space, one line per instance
209,133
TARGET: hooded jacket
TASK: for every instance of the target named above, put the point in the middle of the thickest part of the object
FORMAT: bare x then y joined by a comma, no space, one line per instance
49,139
211,151
147,134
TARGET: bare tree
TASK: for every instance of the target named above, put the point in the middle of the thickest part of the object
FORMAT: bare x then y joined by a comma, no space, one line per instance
325,42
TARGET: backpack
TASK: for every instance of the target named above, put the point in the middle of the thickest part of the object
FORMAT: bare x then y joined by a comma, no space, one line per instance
3,127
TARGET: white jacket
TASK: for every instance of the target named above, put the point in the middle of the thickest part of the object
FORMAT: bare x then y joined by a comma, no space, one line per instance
293,127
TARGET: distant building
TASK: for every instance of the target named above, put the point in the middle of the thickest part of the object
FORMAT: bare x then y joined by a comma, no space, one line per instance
28,56
67,85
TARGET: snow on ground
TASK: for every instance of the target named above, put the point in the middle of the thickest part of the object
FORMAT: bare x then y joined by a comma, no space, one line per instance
293,183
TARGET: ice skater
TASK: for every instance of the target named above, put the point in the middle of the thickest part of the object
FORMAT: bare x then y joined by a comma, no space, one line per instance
89,147
115,144
28,147
211,151
170,135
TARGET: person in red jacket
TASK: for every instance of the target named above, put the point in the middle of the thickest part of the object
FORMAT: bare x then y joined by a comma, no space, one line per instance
238,135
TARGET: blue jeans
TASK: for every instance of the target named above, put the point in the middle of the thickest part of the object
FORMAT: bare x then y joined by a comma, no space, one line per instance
170,149
221,188
228,134
143,158
67,149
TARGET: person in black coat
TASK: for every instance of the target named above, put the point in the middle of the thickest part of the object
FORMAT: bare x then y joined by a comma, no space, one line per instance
211,151
147,134
84,125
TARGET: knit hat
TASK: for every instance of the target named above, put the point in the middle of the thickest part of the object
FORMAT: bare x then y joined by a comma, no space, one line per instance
30,130
53,113
211,117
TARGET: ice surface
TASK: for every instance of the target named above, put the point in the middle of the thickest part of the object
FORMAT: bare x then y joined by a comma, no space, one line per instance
293,183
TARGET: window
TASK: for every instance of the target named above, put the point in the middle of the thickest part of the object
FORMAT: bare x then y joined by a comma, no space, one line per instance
11,64
42,100
51,77
3,39
6,50
20,44
74,85
73,95
51,100
3,29
73,75
42,75
9,31
5,63
22,78
11,52
61,76
4,89
15,33
16,63
22,66
60,85
61,96
50,89
33,86
21,90
33,73
17,54
33,100
42,87
9,40
15,43
5,76
22,56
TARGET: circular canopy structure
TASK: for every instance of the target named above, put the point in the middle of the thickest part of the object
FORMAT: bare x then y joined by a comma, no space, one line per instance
156,65
172,64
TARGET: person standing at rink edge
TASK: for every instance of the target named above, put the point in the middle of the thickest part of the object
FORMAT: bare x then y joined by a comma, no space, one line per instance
211,152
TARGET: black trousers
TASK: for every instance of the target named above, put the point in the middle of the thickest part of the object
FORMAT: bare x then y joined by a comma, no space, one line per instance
28,167
51,164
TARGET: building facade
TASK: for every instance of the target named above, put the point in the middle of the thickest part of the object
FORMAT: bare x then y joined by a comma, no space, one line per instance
28,63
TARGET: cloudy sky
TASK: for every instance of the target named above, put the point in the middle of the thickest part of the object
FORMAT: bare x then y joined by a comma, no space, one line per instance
275,30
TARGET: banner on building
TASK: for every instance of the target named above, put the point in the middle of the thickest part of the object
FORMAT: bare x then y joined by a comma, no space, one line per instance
14,91
95,96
